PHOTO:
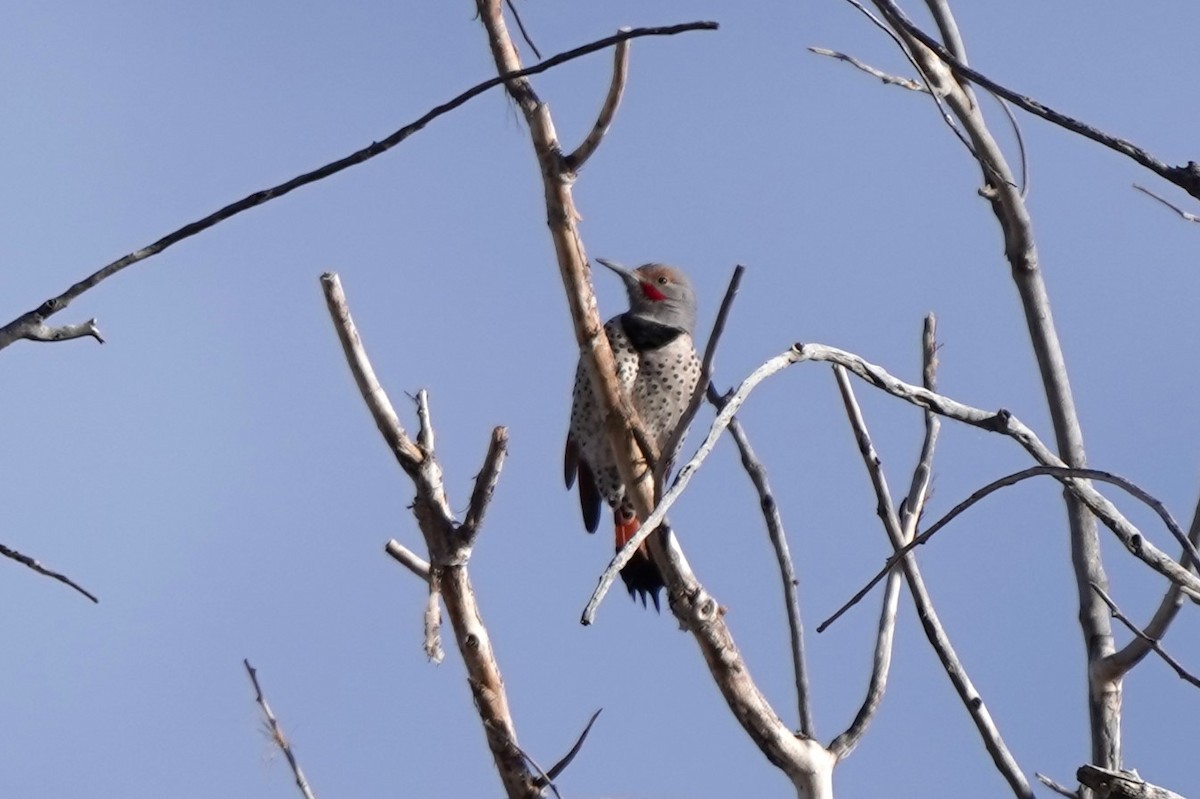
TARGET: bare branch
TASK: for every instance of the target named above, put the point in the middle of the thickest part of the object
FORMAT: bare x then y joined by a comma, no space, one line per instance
20,327
910,515
276,731
1152,642
1060,473
1190,217
575,161
521,27
449,555
433,619
1124,659
408,559
44,332
1005,423
787,572
32,563
1113,784
972,701
1061,790
378,404
1186,177
485,484
710,352
561,766
890,80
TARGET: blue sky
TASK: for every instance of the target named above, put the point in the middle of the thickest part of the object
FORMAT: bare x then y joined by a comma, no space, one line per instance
212,474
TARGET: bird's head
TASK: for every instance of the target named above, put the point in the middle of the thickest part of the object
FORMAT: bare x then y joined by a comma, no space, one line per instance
659,293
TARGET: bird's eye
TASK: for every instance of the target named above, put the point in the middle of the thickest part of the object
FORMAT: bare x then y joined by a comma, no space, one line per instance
662,281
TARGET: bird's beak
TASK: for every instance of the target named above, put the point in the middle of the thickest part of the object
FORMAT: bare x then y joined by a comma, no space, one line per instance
625,274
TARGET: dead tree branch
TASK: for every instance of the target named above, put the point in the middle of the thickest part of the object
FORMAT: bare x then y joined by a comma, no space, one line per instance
1185,177
783,556
1175,665
449,549
31,325
1190,217
972,701
575,161
889,80
909,517
1113,784
807,764
277,736
1124,659
1059,473
32,563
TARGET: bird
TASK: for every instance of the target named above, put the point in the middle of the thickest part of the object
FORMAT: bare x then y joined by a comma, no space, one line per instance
657,372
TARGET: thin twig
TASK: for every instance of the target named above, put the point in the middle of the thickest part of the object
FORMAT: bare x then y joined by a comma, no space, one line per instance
21,326
1057,472
1059,789
575,161
408,559
1183,673
276,731
1190,217
561,766
934,632
32,563
485,484
890,80
783,556
521,27
675,440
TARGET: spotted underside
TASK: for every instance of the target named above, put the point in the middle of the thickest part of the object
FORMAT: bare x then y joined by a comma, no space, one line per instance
657,369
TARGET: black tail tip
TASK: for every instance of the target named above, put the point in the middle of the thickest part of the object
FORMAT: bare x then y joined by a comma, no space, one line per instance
643,580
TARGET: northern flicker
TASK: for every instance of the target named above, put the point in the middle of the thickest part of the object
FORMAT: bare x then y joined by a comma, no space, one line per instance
657,369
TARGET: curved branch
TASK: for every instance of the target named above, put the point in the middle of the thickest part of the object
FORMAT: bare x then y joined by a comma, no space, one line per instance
1062,474
575,161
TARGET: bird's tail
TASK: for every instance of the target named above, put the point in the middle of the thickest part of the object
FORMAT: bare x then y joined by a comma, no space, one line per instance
641,574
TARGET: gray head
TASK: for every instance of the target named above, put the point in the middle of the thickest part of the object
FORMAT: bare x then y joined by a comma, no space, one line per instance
659,293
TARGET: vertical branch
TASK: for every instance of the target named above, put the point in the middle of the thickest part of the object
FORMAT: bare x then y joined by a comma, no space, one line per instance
449,550
910,515
808,764
1000,188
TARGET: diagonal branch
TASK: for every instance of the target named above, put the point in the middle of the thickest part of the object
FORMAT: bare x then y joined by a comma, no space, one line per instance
1151,642
1057,472
1186,177
1124,659
449,553
1189,217
27,324
889,80
938,639
32,563
675,439
277,736
787,572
